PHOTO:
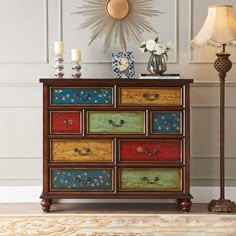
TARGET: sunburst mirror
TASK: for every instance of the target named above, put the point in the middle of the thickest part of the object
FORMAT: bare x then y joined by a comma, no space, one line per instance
118,21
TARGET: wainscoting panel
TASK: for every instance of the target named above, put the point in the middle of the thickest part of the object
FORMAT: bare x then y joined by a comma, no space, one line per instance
20,94
24,169
25,29
21,133
205,137
22,182
204,131
209,169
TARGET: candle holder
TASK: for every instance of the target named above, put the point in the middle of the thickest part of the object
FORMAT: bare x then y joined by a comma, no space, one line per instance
59,67
76,70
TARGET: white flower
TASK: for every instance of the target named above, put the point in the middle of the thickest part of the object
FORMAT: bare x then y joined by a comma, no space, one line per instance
155,47
150,45
157,50
160,48
163,47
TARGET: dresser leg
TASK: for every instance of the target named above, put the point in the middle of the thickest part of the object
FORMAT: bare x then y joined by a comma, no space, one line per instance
185,204
46,204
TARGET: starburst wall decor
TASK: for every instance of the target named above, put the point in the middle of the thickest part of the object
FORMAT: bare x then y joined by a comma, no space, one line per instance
118,21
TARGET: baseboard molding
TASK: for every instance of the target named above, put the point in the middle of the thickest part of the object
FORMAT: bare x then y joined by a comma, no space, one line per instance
30,194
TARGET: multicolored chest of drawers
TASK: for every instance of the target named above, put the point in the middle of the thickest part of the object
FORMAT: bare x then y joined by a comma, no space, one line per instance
116,138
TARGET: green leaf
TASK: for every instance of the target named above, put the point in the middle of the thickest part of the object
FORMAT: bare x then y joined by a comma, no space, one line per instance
143,46
156,39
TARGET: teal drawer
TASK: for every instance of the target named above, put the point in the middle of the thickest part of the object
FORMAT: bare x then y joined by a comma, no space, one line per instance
116,122
82,179
81,96
166,122
150,179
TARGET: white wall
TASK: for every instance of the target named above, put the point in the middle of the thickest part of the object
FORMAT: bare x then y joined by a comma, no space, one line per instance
28,31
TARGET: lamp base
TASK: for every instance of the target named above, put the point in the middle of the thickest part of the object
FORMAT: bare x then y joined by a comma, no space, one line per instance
222,205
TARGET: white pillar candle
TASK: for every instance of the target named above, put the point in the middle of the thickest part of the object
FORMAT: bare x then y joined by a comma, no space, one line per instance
75,54
59,47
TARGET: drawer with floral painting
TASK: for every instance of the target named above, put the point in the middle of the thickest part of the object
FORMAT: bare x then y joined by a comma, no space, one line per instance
66,122
81,179
149,150
82,96
166,122
116,139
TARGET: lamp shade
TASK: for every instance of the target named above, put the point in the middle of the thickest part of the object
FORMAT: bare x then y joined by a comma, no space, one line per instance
219,26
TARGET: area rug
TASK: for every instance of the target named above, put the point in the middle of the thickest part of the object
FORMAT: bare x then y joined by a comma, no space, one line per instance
118,225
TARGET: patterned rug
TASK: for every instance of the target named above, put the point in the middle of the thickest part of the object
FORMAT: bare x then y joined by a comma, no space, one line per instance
118,225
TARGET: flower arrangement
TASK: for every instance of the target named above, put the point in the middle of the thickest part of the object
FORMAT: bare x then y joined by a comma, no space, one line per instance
155,47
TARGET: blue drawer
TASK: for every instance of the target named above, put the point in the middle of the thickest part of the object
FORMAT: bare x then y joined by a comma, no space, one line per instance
82,179
166,122
81,96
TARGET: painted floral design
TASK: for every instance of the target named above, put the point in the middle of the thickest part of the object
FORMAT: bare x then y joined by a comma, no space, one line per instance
81,96
150,150
166,122
87,179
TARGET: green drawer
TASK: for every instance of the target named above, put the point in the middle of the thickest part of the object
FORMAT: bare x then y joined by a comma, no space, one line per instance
150,179
116,122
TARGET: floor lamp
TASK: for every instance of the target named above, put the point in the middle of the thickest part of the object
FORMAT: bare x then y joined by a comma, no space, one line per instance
220,28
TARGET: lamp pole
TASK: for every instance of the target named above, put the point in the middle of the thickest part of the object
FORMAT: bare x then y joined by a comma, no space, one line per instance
222,64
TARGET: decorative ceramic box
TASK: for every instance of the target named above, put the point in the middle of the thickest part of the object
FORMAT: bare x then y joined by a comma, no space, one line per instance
106,138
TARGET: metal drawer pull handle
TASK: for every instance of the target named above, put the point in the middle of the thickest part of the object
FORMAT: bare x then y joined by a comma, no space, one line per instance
151,96
86,97
146,151
67,122
83,152
83,182
150,181
113,123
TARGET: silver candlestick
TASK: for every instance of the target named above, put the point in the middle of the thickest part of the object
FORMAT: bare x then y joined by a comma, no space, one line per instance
59,67
76,70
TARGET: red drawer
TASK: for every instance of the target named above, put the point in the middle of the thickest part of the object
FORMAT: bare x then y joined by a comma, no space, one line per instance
163,151
65,122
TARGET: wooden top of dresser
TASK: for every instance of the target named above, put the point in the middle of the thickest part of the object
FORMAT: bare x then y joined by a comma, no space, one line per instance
123,82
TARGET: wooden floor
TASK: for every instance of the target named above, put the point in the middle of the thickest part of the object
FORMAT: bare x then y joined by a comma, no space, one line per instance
103,208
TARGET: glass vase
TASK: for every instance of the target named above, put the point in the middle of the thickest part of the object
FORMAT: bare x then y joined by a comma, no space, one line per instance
157,64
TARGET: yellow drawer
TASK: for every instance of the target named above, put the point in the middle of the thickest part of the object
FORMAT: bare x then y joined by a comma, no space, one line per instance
158,96
82,150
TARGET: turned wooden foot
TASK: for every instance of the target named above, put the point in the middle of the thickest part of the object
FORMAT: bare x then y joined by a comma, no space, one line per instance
179,201
185,204
46,204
